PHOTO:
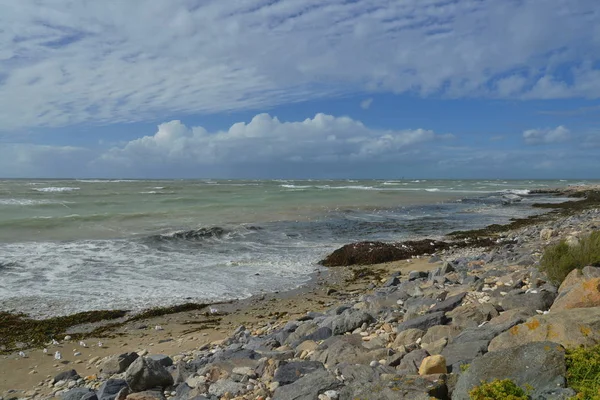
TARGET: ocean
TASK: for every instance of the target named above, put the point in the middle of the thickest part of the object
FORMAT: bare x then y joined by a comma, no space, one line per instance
77,245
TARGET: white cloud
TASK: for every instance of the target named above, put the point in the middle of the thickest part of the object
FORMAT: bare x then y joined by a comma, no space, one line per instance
547,136
66,62
366,103
267,140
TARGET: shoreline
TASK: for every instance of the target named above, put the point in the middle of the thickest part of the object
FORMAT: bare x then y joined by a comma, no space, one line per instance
189,330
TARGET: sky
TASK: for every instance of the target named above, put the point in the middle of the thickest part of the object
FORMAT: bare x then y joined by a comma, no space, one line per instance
300,89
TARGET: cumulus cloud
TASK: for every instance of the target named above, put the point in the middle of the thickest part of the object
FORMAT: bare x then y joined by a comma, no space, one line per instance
65,62
267,140
366,103
547,136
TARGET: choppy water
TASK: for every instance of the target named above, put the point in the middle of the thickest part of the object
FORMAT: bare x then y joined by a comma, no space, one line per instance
75,245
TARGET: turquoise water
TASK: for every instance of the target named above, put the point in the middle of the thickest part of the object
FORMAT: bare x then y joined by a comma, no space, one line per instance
75,245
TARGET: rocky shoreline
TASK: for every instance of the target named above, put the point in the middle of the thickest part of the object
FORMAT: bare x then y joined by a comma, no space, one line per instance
432,326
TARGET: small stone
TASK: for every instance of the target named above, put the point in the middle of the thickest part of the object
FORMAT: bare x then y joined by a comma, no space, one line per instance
374,363
273,386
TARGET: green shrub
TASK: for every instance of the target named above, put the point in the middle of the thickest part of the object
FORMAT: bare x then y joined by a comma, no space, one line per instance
560,259
583,372
498,390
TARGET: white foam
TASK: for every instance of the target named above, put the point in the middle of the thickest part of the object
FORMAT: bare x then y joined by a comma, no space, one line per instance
433,190
27,202
520,192
56,189
49,278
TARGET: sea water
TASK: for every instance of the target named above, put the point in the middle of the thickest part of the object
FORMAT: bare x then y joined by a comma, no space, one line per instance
76,245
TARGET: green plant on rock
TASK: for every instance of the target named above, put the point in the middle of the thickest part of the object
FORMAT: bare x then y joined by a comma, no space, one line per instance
504,389
583,372
560,259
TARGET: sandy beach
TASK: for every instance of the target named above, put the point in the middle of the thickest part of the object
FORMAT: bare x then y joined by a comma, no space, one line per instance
187,331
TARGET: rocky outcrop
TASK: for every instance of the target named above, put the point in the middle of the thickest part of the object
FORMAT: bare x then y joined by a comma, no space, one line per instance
540,365
570,328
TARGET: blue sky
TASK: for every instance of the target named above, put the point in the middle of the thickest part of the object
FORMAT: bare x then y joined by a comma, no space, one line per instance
300,88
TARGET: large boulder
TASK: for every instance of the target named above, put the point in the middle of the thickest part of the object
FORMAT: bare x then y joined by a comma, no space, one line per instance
570,328
222,386
450,303
309,387
457,354
577,276
583,294
145,373
540,365
117,363
70,375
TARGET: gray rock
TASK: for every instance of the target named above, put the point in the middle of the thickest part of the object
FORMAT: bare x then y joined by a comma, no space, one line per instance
412,361
485,332
148,395
183,371
70,375
118,363
472,315
320,334
301,332
346,349
463,353
393,281
308,387
540,365
109,389
349,320
542,300
450,303
434,259
290,372
80,394
397,387
423,322
222,386
413,275
162,359
145,373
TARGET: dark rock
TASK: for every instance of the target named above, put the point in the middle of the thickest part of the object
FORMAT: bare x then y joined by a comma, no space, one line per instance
118,363
540,365
290,372
463,353
162,359
183,371
109,389
80,394
308,387
145,373
236,354
434,259
423,322
542,300
414,275
393,281
70,375
412,361
450,303
320,334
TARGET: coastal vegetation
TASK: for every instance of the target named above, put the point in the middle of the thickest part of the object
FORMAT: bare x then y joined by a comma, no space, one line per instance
561,258
504,389
583,372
